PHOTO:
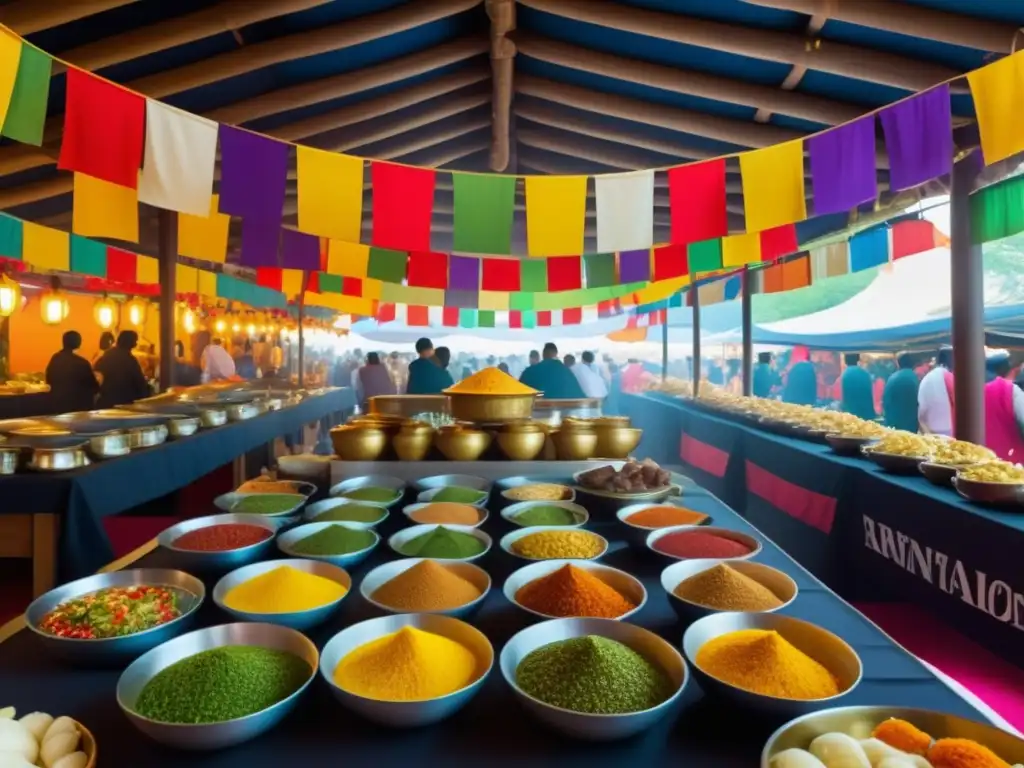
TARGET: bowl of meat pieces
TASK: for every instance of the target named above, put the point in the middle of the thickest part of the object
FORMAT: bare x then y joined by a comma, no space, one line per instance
628,481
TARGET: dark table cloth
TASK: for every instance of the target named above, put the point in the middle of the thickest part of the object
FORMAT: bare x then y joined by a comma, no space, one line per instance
870,534
492,729
26,406
85,496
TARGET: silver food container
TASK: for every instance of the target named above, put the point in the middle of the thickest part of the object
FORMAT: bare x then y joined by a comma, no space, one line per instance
9,460
109,445
382,574
196,561
183,427
404,536
58,459
287,540
371,481
462,481
213,417
509,539
115,649
625,584
147,437
213,735
748,541
242,411
510,513
779,583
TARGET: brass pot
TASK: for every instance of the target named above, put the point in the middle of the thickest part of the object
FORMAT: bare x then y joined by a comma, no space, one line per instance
611,421
462,444
491,409
390,425
358,443
412,427
526,425
522,446
574,445
574,424
412,446
617,442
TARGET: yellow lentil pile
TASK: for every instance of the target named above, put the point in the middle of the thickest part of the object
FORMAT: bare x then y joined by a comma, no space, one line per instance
538,492
490,381
283,590
559,545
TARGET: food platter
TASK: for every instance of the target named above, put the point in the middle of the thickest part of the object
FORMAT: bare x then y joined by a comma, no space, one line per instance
107,420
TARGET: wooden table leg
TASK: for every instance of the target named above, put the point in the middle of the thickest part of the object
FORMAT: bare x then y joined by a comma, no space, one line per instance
44,553
238,470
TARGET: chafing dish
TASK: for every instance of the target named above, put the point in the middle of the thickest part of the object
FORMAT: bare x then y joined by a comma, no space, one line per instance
109,445
242,411
213,417
9,460
274,403
59,459
10,425
93,422
147,437
183,427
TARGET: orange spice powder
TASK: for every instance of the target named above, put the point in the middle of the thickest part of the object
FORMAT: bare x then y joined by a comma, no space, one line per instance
573,592
665,516
447,512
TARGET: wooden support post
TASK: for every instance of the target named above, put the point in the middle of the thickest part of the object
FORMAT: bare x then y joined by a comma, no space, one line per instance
695,370
167,253
302,339
748,336
44,552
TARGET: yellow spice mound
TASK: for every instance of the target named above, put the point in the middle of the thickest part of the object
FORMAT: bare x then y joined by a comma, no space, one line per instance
765,662
427,586
490,381
283,590
408,665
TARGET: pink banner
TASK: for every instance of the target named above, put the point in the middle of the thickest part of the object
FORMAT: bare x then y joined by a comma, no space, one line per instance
814,509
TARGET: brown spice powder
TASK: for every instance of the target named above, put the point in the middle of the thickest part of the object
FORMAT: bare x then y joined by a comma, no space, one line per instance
726,589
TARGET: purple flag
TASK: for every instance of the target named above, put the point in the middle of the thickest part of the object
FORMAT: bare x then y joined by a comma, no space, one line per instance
460,298
464,274
259,242
253,172
843,166
299,250
919,138
634,266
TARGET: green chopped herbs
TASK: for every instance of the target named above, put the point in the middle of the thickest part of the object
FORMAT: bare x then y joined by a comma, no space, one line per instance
373,493
444,544
352,513
459,495
267,504
547,514
594,675
222,684
334,540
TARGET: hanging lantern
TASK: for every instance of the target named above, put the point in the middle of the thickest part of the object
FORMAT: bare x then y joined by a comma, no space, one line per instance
251,329
220,326
236,328
188,321
136,311
53,304
104,312
10,296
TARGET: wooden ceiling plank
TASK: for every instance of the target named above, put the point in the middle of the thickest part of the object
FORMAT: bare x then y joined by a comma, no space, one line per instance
28,16
797,72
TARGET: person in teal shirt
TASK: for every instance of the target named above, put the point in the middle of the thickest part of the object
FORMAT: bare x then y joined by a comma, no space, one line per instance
855,389
426,377
899,399
801,384
765,378
551,377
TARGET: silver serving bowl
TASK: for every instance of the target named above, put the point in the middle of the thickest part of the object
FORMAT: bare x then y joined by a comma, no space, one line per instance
183,427
570,495
424,497
115,649
799,733
40,436
511,538
9,460
227,500
847,445
938,474
821,645
581,515
147,437
195,561
625,584
651,496
775,580
742,538
893,462
230,732
636,535
371,481
409,509
58,459
382,574
109,445
213,417
587,726
1000,494
406,714
106,420
464,481
242,411
313,511
297,619
512,482
398,540
285,516
288,539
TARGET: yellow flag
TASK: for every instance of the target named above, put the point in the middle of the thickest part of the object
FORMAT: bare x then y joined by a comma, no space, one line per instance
773,186
204,238
372,288
660,290
207,283
998,92
292,282
493,300
147,270
102,209
186,279
738,250
556,211
330,194
45,248
10,57
347,259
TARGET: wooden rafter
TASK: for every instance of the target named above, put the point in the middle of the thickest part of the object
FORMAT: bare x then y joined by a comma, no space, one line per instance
28,16
502,14
797,71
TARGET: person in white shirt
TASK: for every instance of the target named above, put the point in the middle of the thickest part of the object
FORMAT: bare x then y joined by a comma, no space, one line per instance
934,396
591,382
216,362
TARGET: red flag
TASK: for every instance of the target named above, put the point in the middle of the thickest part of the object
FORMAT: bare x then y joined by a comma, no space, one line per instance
352,286
564,273
450,317
910,237
385,313
500,275
120,265
696,195
403,200
544,318
778,242
104,129
417,317
670,262
515,319
572,316
427,270
269,277
313,282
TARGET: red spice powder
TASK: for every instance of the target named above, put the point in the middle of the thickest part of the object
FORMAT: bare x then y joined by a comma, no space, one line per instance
222,538
694,544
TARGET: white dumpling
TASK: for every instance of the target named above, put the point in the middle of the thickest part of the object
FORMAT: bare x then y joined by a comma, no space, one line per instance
837,750
37,724
17,739
795,758
57,745
14,760
8,713
877,750
74,760
895,761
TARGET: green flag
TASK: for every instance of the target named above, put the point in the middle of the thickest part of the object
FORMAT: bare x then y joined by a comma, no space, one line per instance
26,114
10,237
467,318
533,275
520,301
705,256
484,205
330,283
599,269
485,318
387,265
998,211
89,257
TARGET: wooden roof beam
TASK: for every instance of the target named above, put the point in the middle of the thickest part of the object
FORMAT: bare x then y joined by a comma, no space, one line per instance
502,14
783,47
28,16
905,19
688,82
797,71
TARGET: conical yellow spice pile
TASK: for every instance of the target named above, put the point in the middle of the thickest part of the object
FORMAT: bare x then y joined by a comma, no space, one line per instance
427,586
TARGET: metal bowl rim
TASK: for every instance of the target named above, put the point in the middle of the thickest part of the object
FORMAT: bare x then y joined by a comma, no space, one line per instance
578,510
341,501
585,565
724,561
321,527
505,491
631,509
419,486
280,563
271,515
483,536
165,538
415,561
511,537
658,533
418,505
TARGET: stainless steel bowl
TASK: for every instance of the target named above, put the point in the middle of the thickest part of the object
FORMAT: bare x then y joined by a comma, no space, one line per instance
636,535
195,561
408,534
288,539
998,494
369,481
109,445
241,411
821,645
463,481
230,732
9,460
847,445
406,714
147,437
587,726
424,497
893,462
625,584
799,733
570,493
313,511
511,538
58,459
775,580
754,545
510,512
183,427
298,619
512,482
285,516
115,649
382,574
213,417
409,509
